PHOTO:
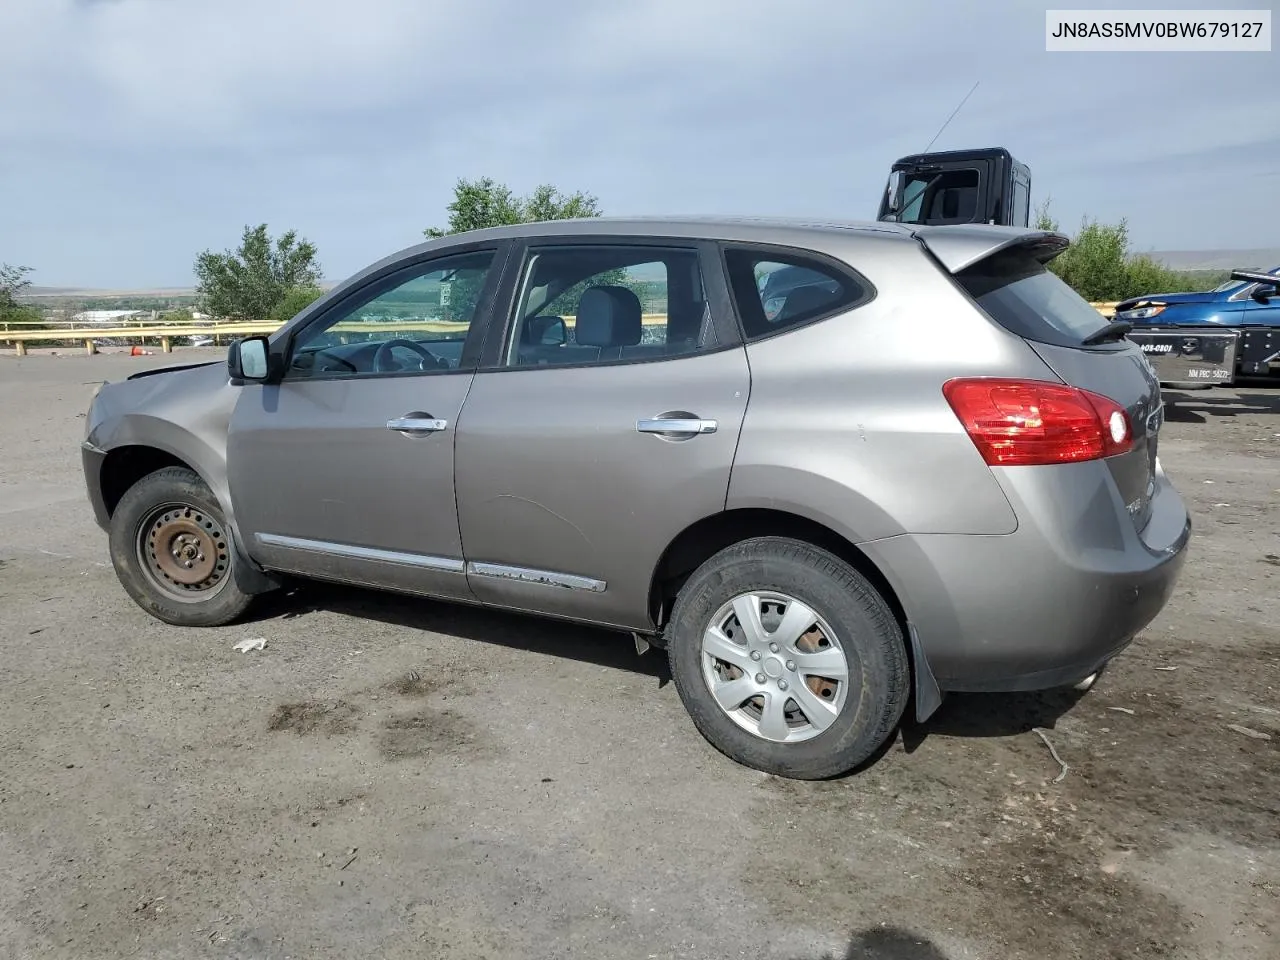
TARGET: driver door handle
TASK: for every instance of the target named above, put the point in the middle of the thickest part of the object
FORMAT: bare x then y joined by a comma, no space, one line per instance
417,426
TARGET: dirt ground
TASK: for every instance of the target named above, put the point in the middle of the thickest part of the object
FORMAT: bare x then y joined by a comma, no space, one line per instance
400,778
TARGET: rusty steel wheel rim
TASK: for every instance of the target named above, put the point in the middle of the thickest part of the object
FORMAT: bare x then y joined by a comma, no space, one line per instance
184,551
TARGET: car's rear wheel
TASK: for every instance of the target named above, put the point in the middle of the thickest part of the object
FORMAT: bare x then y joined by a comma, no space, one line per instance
172,550
787,659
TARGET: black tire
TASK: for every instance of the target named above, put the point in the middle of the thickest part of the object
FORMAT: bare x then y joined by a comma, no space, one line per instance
183,496
865,630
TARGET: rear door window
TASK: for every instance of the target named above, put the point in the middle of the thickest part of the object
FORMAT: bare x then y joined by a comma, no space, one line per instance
1021,201
610,303
777,291
1025,297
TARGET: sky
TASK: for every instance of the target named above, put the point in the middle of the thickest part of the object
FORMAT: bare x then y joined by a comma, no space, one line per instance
136,133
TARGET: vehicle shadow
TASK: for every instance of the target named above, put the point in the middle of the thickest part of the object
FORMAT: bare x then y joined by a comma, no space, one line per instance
960,714
604,648
980,715
888,943
992,715
1195,406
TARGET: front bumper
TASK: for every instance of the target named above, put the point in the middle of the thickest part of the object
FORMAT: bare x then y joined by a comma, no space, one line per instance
91,460
1050,603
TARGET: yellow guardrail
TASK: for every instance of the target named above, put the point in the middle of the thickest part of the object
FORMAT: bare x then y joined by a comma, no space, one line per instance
166,333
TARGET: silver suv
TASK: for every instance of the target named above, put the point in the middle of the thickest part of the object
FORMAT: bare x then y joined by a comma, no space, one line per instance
932,467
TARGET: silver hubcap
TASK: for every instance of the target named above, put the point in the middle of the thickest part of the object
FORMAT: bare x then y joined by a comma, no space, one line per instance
775,667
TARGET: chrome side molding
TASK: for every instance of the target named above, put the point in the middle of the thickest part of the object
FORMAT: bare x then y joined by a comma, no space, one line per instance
501,571
571,581
443,564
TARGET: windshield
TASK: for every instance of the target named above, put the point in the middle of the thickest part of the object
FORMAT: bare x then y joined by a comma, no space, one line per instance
930,197
1237,284
1025,297
912,193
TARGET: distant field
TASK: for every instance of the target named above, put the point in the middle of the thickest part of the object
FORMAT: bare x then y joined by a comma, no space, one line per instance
1259,259
1184,260
44,293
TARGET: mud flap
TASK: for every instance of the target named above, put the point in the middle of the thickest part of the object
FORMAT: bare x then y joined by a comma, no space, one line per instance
249,577
927,695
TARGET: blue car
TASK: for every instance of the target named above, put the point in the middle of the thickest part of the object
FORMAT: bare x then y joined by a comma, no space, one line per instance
1210,336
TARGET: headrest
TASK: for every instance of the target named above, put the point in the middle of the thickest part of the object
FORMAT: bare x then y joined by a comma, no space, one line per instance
608,317
807,299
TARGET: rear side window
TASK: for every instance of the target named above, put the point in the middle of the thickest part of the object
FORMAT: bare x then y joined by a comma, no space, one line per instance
1023,296
1021,201
775,292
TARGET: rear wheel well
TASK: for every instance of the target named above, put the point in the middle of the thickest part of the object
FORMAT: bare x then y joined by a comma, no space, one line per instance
125,466
712,534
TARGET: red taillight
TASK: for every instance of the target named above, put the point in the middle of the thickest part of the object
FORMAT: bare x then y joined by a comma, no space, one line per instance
1028,422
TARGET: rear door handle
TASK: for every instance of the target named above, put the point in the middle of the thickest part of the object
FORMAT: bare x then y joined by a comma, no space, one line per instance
417,426
690,426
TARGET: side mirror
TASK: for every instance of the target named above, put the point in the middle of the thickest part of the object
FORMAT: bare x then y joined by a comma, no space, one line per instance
1265,292
556,333
249,359
548,331
891,191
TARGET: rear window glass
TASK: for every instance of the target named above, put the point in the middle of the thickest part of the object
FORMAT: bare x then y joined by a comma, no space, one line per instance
776,291
1025,297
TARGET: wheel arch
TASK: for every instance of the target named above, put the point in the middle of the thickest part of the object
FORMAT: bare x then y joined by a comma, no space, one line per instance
706,537
124,465
165,439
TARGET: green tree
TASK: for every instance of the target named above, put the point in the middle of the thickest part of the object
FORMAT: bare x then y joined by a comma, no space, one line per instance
253,281
294,302
13,283
547,203
486,203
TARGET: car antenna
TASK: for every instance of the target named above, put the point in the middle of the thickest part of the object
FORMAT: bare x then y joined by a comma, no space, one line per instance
953,115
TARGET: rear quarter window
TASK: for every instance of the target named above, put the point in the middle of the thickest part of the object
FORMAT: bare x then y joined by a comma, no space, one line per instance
1025,297
776,291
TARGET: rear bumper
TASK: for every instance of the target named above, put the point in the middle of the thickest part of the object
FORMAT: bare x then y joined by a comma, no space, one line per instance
1048,604
1189,356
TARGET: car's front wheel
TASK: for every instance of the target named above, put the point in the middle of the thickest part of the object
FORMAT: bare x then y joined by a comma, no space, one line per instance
787,659
172,551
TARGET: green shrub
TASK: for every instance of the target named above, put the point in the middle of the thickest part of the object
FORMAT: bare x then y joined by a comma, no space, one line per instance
1100,267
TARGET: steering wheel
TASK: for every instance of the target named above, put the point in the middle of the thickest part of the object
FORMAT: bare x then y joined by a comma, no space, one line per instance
382,357
321,360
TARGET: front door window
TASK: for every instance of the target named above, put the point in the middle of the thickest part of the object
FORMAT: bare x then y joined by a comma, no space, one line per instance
414,321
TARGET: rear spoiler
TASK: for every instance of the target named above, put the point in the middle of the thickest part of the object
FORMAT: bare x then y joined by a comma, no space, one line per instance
963,245
1251,276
